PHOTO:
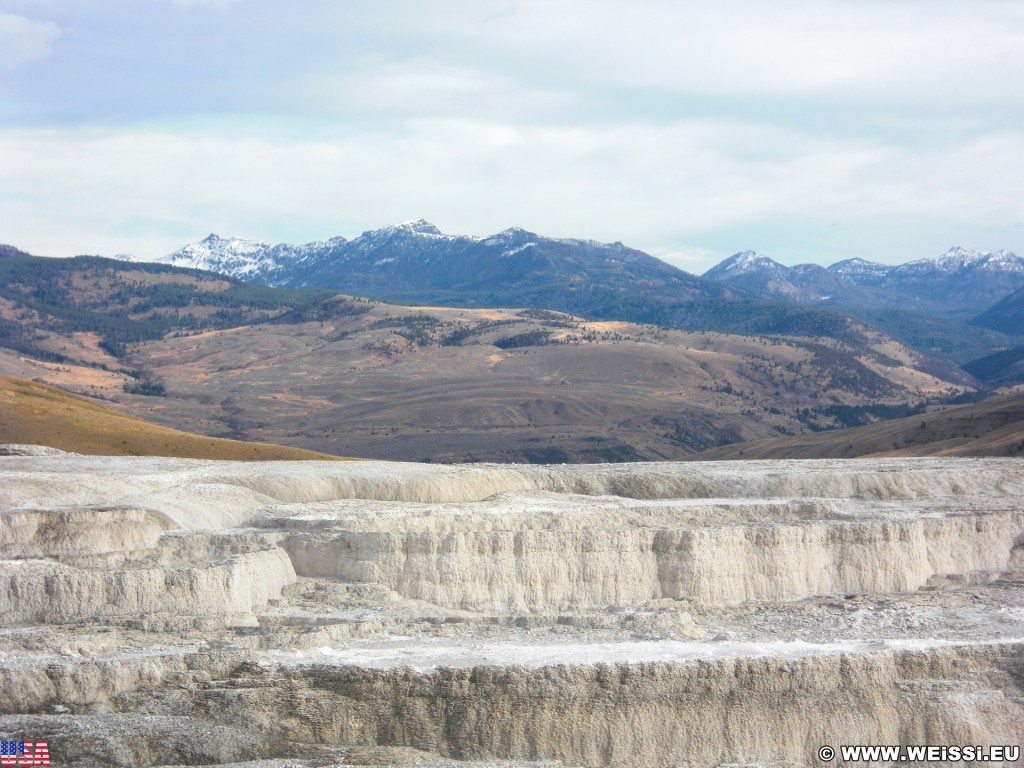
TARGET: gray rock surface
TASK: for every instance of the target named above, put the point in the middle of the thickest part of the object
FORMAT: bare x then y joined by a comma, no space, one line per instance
161,612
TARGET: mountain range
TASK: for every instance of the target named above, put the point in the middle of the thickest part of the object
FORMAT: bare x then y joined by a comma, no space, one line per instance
957,307
960,283
937,305
315,369
416,261
651,363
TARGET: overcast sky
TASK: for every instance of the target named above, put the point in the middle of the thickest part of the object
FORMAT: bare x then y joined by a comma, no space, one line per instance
810,131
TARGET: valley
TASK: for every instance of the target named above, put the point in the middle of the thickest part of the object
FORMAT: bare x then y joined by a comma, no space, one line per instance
352,376
993,427
423,383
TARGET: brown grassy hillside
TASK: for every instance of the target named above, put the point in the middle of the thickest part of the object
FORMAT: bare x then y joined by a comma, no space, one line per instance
457,385
994,427
39,415
347,376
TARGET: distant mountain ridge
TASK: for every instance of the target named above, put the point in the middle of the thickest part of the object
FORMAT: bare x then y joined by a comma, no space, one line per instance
414,260
959,283
926,303
362,378
386,256
1006,315
253,260
764,277
415,263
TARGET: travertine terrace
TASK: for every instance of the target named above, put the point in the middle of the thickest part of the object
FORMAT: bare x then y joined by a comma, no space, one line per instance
171,612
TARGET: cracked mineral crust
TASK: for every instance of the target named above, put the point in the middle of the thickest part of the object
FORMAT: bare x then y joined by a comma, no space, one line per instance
161,612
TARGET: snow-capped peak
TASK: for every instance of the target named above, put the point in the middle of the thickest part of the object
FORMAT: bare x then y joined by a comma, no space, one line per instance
748,259
418,226
246,259
331,242
953,259
857,263
959,258
232,255
511,237
742,263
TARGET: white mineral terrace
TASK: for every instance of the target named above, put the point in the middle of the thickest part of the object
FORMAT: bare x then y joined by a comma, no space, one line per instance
430,655
167,612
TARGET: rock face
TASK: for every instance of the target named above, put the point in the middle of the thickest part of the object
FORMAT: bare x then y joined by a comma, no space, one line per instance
548,556
170,612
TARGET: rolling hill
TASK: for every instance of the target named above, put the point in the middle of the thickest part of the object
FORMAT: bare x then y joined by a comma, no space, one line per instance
1005,316
208,354
45,303
456,384
994,427
36,414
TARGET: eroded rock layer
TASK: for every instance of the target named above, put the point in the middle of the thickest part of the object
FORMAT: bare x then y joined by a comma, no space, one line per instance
618,615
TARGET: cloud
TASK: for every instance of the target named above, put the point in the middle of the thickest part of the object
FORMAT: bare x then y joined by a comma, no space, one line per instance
693,260
936,52
650,186
677,126
423,88
214,3
24,40
792,61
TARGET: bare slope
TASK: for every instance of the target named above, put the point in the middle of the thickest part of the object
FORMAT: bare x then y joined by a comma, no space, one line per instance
514,385
994,427
35,414
361,378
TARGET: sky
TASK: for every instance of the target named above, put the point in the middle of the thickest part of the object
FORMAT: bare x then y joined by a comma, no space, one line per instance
809,131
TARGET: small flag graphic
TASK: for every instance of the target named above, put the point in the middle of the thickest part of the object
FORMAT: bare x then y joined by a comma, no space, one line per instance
21,754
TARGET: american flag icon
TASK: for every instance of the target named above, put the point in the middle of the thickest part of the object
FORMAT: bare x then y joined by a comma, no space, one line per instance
19,752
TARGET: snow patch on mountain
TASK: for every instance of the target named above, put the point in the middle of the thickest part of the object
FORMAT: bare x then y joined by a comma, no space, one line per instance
959,279
416,228
858,269
247,259
518,249
233,255
959,259
744,263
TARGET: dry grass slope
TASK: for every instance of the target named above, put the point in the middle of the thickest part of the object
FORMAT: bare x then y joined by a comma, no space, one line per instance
39,415
994,427
465,385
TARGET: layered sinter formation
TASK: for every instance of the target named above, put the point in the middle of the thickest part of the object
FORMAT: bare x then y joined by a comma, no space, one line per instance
169,612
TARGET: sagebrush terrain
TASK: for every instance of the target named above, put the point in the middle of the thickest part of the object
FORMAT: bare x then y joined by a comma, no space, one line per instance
994,427
211,355
35,414
380,381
